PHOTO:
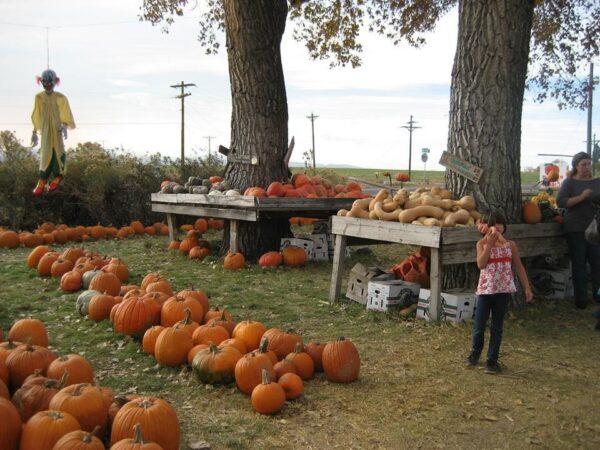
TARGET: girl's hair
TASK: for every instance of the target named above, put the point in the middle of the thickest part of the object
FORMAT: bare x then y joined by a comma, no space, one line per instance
493,218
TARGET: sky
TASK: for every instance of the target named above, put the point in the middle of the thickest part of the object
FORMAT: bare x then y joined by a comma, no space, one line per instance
117,73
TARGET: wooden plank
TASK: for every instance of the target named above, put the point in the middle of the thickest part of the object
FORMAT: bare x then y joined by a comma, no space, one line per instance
461,167
199,211
304,204
523,230
435,285
171,224
233,236
238,201
338,267
400,233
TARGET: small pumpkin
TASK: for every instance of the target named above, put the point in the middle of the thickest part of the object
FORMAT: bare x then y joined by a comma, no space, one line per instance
215,365
292,385
84,402
268,397
79,440
305,367
150,337
315,351
248,371
45,428
10,425
532,213
137,442
79,369
33,330
172,346
293,256
270,260
341,361
282,367
281,342
250,332
234,261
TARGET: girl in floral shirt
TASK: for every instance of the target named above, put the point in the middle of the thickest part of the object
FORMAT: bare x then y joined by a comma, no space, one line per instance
496,258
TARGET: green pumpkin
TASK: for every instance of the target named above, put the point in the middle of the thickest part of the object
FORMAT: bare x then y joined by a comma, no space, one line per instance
83,301
216,365
87,277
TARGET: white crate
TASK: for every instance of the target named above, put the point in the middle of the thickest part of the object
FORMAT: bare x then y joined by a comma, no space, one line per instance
553,284
456,305
331,245
389,294
307,244
358,281
320,246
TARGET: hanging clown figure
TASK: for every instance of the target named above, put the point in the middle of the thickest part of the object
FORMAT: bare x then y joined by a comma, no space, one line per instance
51,116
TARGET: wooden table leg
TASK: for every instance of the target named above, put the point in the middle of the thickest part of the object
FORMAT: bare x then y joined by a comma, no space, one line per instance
338,267
233,236
170,223
435,277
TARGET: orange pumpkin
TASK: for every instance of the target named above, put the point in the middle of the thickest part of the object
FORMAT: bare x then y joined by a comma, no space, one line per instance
268,397
84,402
341,361
531,213
250,332
234,261
32,330
293,256
79,368
10,425
248,371
52,425
270,259
292,385
305,367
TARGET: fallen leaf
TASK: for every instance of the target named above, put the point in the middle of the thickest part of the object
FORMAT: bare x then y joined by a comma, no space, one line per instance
490,418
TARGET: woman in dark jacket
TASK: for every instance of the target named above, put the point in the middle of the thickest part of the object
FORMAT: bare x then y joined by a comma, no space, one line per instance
574,195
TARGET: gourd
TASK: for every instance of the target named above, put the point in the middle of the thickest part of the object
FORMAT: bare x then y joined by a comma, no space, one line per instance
382,215
380,197
408,215
461,216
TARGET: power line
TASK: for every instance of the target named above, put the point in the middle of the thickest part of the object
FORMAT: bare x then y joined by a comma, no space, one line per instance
209,139
182,96
410,127
312,118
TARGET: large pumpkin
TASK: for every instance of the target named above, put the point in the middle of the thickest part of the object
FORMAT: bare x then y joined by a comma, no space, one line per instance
215,365
172,346
35,394
270,259
293,256
157,419
25,360
36,254
305,367
79,440
173,310
250,332
341,362
137,442
135,315
10,425
84,402
79,369
106,282
29,329
248,371
45,428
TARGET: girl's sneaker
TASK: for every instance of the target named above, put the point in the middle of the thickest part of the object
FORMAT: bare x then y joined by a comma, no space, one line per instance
39,188
492,368
54,184
472,360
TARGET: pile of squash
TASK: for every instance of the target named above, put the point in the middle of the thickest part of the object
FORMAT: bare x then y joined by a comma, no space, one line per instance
430,207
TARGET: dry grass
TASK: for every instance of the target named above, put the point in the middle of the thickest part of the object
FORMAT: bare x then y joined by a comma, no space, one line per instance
414,390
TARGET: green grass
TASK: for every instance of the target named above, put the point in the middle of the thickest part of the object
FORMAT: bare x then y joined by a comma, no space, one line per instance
413,391
418,176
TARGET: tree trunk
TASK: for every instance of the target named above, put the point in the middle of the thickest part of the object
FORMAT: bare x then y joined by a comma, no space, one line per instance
259,116
488,84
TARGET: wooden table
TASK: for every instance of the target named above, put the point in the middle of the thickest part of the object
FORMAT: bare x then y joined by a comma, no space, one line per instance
246,208
448,246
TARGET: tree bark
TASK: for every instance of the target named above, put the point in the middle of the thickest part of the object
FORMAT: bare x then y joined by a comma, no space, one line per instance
488,84
259,118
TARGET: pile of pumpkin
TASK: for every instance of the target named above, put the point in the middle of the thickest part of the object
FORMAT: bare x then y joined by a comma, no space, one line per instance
181,328
542,207
431,207
51,402
305,186
77,268
48,233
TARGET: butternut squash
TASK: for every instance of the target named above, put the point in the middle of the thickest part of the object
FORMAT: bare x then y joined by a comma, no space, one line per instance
380,197
466,202
475,214
401,196
342,212
362,203
390,205
358,212
383,215
408,215
445,194
434,201
412,203
461,216
373,215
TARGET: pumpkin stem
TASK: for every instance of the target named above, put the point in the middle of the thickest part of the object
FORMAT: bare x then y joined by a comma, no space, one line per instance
264,345
137,432
187,320
63,379
79,388
88,437
213,348
265,377
298,348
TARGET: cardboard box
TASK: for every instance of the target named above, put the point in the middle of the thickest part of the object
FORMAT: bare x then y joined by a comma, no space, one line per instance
307,244
456,305
387,295
331,245
320,246
552,283
358,281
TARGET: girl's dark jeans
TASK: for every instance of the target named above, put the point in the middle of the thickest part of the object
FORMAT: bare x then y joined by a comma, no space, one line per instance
496,304
581,252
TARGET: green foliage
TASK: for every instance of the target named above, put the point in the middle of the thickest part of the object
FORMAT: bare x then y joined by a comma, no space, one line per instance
104,186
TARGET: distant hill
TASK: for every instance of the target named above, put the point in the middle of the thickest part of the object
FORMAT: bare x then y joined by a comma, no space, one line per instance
325,166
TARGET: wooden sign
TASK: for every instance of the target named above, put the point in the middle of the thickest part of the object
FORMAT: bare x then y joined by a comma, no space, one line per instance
242,159
461,167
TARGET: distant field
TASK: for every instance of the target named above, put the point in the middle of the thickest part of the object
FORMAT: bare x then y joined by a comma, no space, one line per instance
418,176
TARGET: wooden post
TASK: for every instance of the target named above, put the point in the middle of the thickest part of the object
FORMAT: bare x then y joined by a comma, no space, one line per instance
435,277
338,267
171,227
233,236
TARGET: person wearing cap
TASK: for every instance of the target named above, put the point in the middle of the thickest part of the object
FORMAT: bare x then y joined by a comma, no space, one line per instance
575,196
51,116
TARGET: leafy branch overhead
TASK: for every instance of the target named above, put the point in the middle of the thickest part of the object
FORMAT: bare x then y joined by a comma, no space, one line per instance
564,36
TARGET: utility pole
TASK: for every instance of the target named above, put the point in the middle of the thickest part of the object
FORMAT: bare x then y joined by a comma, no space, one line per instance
209,139
312,118
182,96
410,127
589,105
